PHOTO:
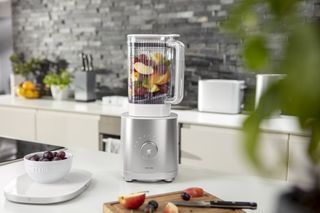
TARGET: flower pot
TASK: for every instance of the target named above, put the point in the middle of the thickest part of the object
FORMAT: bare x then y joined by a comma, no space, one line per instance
15,80
58,93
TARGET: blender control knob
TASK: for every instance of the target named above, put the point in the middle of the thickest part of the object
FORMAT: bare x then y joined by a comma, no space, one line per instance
149,150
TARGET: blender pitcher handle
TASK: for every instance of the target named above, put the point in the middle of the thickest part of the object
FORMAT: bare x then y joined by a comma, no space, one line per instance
179,68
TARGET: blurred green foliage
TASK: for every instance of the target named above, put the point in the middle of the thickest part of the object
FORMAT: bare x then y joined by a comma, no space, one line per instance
62,79
23,67
255,22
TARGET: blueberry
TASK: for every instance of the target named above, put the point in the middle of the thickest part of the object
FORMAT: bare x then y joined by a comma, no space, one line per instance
61,154
148,209
48,155
185,196
35,158
154,204
57,158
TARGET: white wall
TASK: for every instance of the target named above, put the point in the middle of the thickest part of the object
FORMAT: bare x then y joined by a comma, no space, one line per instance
5,44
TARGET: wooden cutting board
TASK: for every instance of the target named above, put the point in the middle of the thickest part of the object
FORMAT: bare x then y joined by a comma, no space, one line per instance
163,199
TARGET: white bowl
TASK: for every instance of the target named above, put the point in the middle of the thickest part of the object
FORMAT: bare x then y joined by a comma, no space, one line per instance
47,171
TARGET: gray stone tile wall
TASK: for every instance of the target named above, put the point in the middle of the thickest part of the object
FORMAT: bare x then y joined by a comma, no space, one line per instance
64,28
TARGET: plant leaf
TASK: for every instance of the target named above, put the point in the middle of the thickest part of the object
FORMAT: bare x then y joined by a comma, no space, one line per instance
255,53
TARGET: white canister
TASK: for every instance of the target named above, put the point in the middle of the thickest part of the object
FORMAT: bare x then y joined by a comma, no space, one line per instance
220,96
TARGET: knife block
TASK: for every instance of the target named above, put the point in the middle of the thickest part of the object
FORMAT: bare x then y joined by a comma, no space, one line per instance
85,85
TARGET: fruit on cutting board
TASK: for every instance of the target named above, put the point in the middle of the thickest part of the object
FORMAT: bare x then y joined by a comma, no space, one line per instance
132,201
170,208
194,191
185,196
143,69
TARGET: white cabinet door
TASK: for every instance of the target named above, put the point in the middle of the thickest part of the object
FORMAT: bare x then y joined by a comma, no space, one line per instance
17,123
299,163
222,150
68,129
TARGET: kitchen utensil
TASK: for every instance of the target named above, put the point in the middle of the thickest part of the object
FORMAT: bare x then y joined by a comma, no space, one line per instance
85,86
156,74
218,204
90,62
23,189
163,199
149,132
84,63
220,96
47,171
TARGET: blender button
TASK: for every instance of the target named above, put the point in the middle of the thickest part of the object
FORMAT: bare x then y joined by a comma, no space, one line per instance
149,150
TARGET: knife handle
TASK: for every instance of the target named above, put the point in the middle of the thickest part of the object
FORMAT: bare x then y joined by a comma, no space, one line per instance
84,65
233,204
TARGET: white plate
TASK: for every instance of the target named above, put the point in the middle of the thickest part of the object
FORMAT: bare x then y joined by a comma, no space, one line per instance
22,189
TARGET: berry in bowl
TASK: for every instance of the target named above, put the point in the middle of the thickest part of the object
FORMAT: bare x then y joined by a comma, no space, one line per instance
47,167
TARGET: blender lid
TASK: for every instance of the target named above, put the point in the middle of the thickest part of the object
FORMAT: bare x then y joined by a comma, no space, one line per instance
152,36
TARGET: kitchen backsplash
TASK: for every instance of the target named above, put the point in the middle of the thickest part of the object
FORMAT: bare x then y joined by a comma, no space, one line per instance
55,28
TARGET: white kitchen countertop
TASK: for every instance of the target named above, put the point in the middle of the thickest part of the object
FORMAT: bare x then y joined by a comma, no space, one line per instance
107,185
281,124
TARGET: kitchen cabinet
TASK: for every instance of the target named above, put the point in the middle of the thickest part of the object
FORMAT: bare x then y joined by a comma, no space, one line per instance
222,150
68,129
17,123
109,132
299,163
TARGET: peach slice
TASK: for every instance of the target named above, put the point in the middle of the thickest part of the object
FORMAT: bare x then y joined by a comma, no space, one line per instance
161,79
170,208
143,69
134,76
157,57
132,201
154,88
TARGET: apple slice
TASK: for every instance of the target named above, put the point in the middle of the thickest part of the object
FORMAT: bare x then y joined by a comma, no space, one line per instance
170,208
132,201
143,69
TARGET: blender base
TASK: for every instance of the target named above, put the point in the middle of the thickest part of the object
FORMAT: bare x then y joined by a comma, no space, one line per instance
149,148
166,177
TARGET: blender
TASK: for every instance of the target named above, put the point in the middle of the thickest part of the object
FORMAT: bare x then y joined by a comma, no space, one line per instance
149,130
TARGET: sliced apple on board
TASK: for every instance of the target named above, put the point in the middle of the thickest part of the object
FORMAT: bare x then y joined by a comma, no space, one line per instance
143,69
170,208
132,201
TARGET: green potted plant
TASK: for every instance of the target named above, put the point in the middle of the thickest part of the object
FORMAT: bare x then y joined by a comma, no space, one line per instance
59,83
23,70
255,22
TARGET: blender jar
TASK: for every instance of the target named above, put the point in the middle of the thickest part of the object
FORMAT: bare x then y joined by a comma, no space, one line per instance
156,71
